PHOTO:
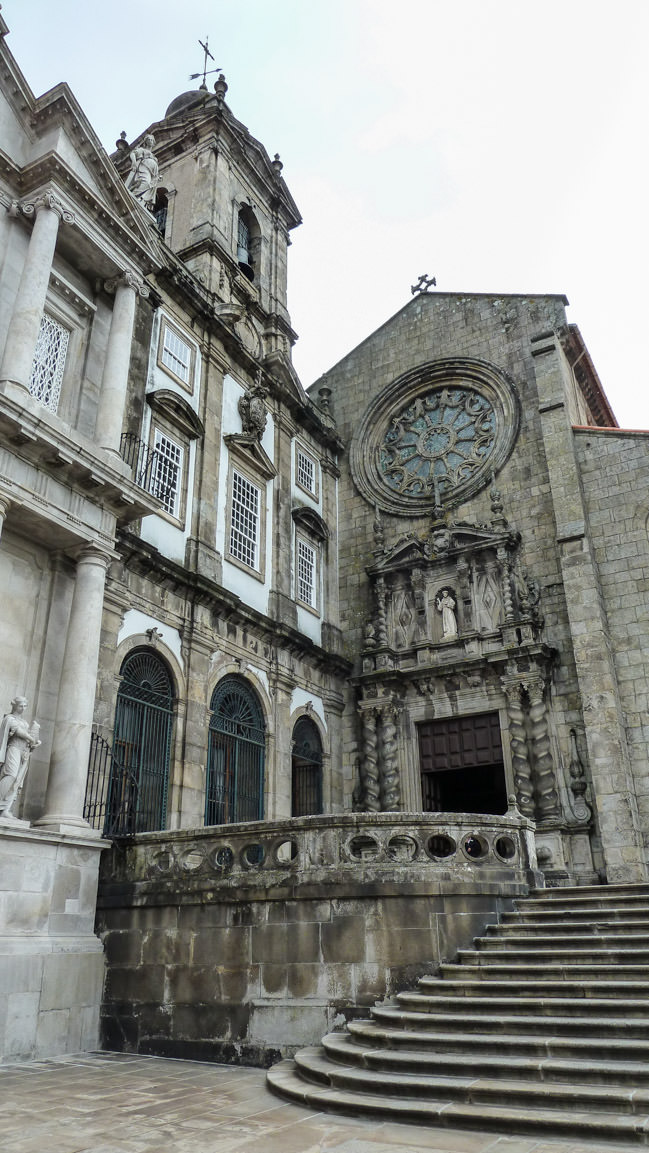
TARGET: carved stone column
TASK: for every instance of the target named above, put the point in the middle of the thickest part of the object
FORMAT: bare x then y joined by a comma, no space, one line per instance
521,767
66,784
390,785
547,796
505,583
110,412
369,764
5,505
381,616
30,299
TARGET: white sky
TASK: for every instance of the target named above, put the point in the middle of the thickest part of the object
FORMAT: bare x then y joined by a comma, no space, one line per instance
499,145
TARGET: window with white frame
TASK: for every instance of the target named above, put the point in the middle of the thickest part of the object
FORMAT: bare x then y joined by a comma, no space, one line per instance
176,355
49,362
167,472
245,521
306,573
306,471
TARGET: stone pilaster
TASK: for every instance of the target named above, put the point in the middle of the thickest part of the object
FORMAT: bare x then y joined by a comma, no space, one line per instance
30,299
110,413
66,784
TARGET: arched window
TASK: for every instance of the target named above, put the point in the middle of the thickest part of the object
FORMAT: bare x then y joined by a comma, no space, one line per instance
160,209
235,755
306,787
247,241
137,799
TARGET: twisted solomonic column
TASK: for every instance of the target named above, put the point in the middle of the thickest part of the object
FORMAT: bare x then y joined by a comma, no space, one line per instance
390,785
518,744
371,802
545,783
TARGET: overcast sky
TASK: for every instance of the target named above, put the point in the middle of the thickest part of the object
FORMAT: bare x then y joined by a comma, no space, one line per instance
499,145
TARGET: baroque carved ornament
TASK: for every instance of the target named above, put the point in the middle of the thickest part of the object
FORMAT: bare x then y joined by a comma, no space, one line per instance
435,436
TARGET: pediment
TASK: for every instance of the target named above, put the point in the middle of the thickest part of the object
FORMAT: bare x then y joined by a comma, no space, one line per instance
311,521
279,366
176,409
250,452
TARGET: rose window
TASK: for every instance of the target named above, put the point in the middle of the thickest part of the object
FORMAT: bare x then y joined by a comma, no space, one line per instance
438,441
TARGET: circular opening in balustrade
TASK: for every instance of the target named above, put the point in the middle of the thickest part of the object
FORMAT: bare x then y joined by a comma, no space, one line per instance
223,859
363,848
440,846
505,848
402,848
253,855
163,862
286,852
475,846
192,860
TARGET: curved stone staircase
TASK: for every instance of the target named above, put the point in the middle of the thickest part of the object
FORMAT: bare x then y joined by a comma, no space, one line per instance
542,1027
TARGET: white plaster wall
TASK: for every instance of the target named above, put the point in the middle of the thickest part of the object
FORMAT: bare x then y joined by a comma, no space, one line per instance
135,623
300,698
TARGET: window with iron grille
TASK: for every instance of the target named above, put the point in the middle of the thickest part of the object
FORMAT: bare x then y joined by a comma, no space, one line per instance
306,782
306,573
49,363
176,354
166,472
306,472
244,524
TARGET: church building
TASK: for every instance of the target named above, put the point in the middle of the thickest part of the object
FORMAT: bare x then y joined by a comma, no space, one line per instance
302,687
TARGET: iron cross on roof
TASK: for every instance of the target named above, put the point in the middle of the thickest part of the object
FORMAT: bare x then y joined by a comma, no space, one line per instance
206,71
423,284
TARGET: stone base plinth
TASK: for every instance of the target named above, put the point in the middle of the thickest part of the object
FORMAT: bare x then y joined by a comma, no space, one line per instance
51,962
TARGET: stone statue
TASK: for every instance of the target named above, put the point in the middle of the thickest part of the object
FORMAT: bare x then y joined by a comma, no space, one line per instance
445,605
17,741
142,180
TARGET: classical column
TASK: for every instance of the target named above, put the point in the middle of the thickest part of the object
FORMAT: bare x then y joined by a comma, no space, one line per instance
66,783
521,768
547,796
32,291
110,413
390,784
5,505
369,765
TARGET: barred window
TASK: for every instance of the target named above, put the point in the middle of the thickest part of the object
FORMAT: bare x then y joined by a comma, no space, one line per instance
166,472
306,573
244,526
176,354
306,475
49,363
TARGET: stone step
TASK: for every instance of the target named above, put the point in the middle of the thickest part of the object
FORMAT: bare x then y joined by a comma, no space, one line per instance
500,952
600,894
466,986
579,915
501,1045
312,1063
346,1048
514,1002
568,928
596,1126
510,972
510,1022
581,940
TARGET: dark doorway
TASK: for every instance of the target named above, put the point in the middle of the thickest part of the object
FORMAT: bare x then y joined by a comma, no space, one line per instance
306,784
137,798
236,755
462,767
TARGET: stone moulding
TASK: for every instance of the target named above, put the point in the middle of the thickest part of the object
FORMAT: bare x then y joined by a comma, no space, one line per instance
400,424
349,849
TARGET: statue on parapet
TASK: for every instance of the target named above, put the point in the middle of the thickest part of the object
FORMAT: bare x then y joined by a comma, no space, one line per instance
142,181
17,741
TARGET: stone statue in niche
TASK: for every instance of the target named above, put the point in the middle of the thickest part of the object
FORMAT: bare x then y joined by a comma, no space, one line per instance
17,741
445,604
142,180
252,411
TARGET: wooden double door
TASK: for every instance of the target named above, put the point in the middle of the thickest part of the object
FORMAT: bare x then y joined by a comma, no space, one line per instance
461,764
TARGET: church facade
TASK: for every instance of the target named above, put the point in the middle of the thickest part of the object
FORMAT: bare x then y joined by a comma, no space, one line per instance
329,668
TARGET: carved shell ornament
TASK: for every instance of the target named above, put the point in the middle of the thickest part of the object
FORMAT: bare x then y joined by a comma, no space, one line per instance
435,436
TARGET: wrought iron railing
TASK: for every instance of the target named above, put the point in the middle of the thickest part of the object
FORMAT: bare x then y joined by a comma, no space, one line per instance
112,793
141,458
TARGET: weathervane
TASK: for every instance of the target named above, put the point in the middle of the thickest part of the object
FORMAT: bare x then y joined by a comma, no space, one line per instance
206,71
423,284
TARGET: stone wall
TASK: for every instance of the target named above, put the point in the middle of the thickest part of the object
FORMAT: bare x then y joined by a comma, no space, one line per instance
245,942
51,962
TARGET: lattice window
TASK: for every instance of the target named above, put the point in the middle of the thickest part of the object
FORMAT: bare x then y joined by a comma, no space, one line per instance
306,474
176,354
244,525
49,363
306,573
166,472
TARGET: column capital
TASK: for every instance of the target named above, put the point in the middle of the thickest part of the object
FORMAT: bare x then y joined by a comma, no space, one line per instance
5,504
128,279
92,553
44,200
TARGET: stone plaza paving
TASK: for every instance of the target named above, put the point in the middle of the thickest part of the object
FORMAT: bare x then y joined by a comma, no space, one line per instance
120,1103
